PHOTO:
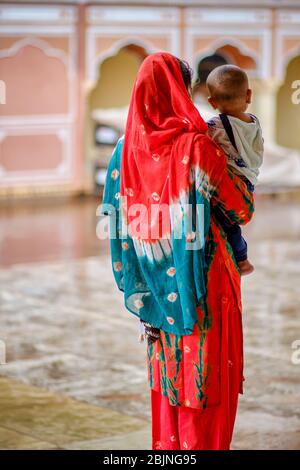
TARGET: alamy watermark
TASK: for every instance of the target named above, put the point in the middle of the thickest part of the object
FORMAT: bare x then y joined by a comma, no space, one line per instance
2,92
296,94
2,352
157,222
295,357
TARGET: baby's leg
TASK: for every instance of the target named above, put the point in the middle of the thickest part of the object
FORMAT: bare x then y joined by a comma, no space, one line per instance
239,248
238,244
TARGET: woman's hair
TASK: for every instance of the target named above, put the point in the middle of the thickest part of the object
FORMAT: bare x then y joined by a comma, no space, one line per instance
187,73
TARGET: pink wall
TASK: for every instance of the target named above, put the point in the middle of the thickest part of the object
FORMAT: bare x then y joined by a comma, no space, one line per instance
25,153
36,83
39,143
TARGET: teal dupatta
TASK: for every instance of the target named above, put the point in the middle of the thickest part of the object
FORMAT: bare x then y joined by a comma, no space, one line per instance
163,287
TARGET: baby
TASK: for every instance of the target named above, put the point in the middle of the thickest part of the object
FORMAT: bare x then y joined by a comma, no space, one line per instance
239,134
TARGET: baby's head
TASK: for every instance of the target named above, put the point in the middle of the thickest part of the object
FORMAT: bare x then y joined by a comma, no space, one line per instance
229,91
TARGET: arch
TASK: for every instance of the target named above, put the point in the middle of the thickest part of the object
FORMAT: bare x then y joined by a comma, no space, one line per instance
129,57
287,112
94,66
30,64
225,46
234,56
112,90
285,61
63,69
40,44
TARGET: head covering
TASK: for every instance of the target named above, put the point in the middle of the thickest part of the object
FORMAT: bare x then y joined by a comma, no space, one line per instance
163,281
161,126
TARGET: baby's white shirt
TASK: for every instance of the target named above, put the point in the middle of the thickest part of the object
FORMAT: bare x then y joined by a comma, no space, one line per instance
249,141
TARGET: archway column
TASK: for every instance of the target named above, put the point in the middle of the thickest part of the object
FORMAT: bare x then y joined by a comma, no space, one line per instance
265,97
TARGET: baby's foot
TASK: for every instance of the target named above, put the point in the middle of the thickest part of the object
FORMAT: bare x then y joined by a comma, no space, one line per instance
245,267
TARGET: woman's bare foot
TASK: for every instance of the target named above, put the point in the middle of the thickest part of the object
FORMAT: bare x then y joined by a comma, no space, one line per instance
245,267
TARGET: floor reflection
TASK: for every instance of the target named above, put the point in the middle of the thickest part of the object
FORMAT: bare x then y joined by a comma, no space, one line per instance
66,330
49,230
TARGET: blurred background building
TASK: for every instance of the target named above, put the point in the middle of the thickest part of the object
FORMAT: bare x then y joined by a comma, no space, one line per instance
72,374
69,67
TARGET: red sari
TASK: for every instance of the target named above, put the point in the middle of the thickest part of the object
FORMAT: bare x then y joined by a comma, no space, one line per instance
191,425
195,378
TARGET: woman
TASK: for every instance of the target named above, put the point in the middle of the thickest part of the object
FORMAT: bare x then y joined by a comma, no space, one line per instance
176,270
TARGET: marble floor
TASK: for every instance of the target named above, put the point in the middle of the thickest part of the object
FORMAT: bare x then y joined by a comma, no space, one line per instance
75,375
